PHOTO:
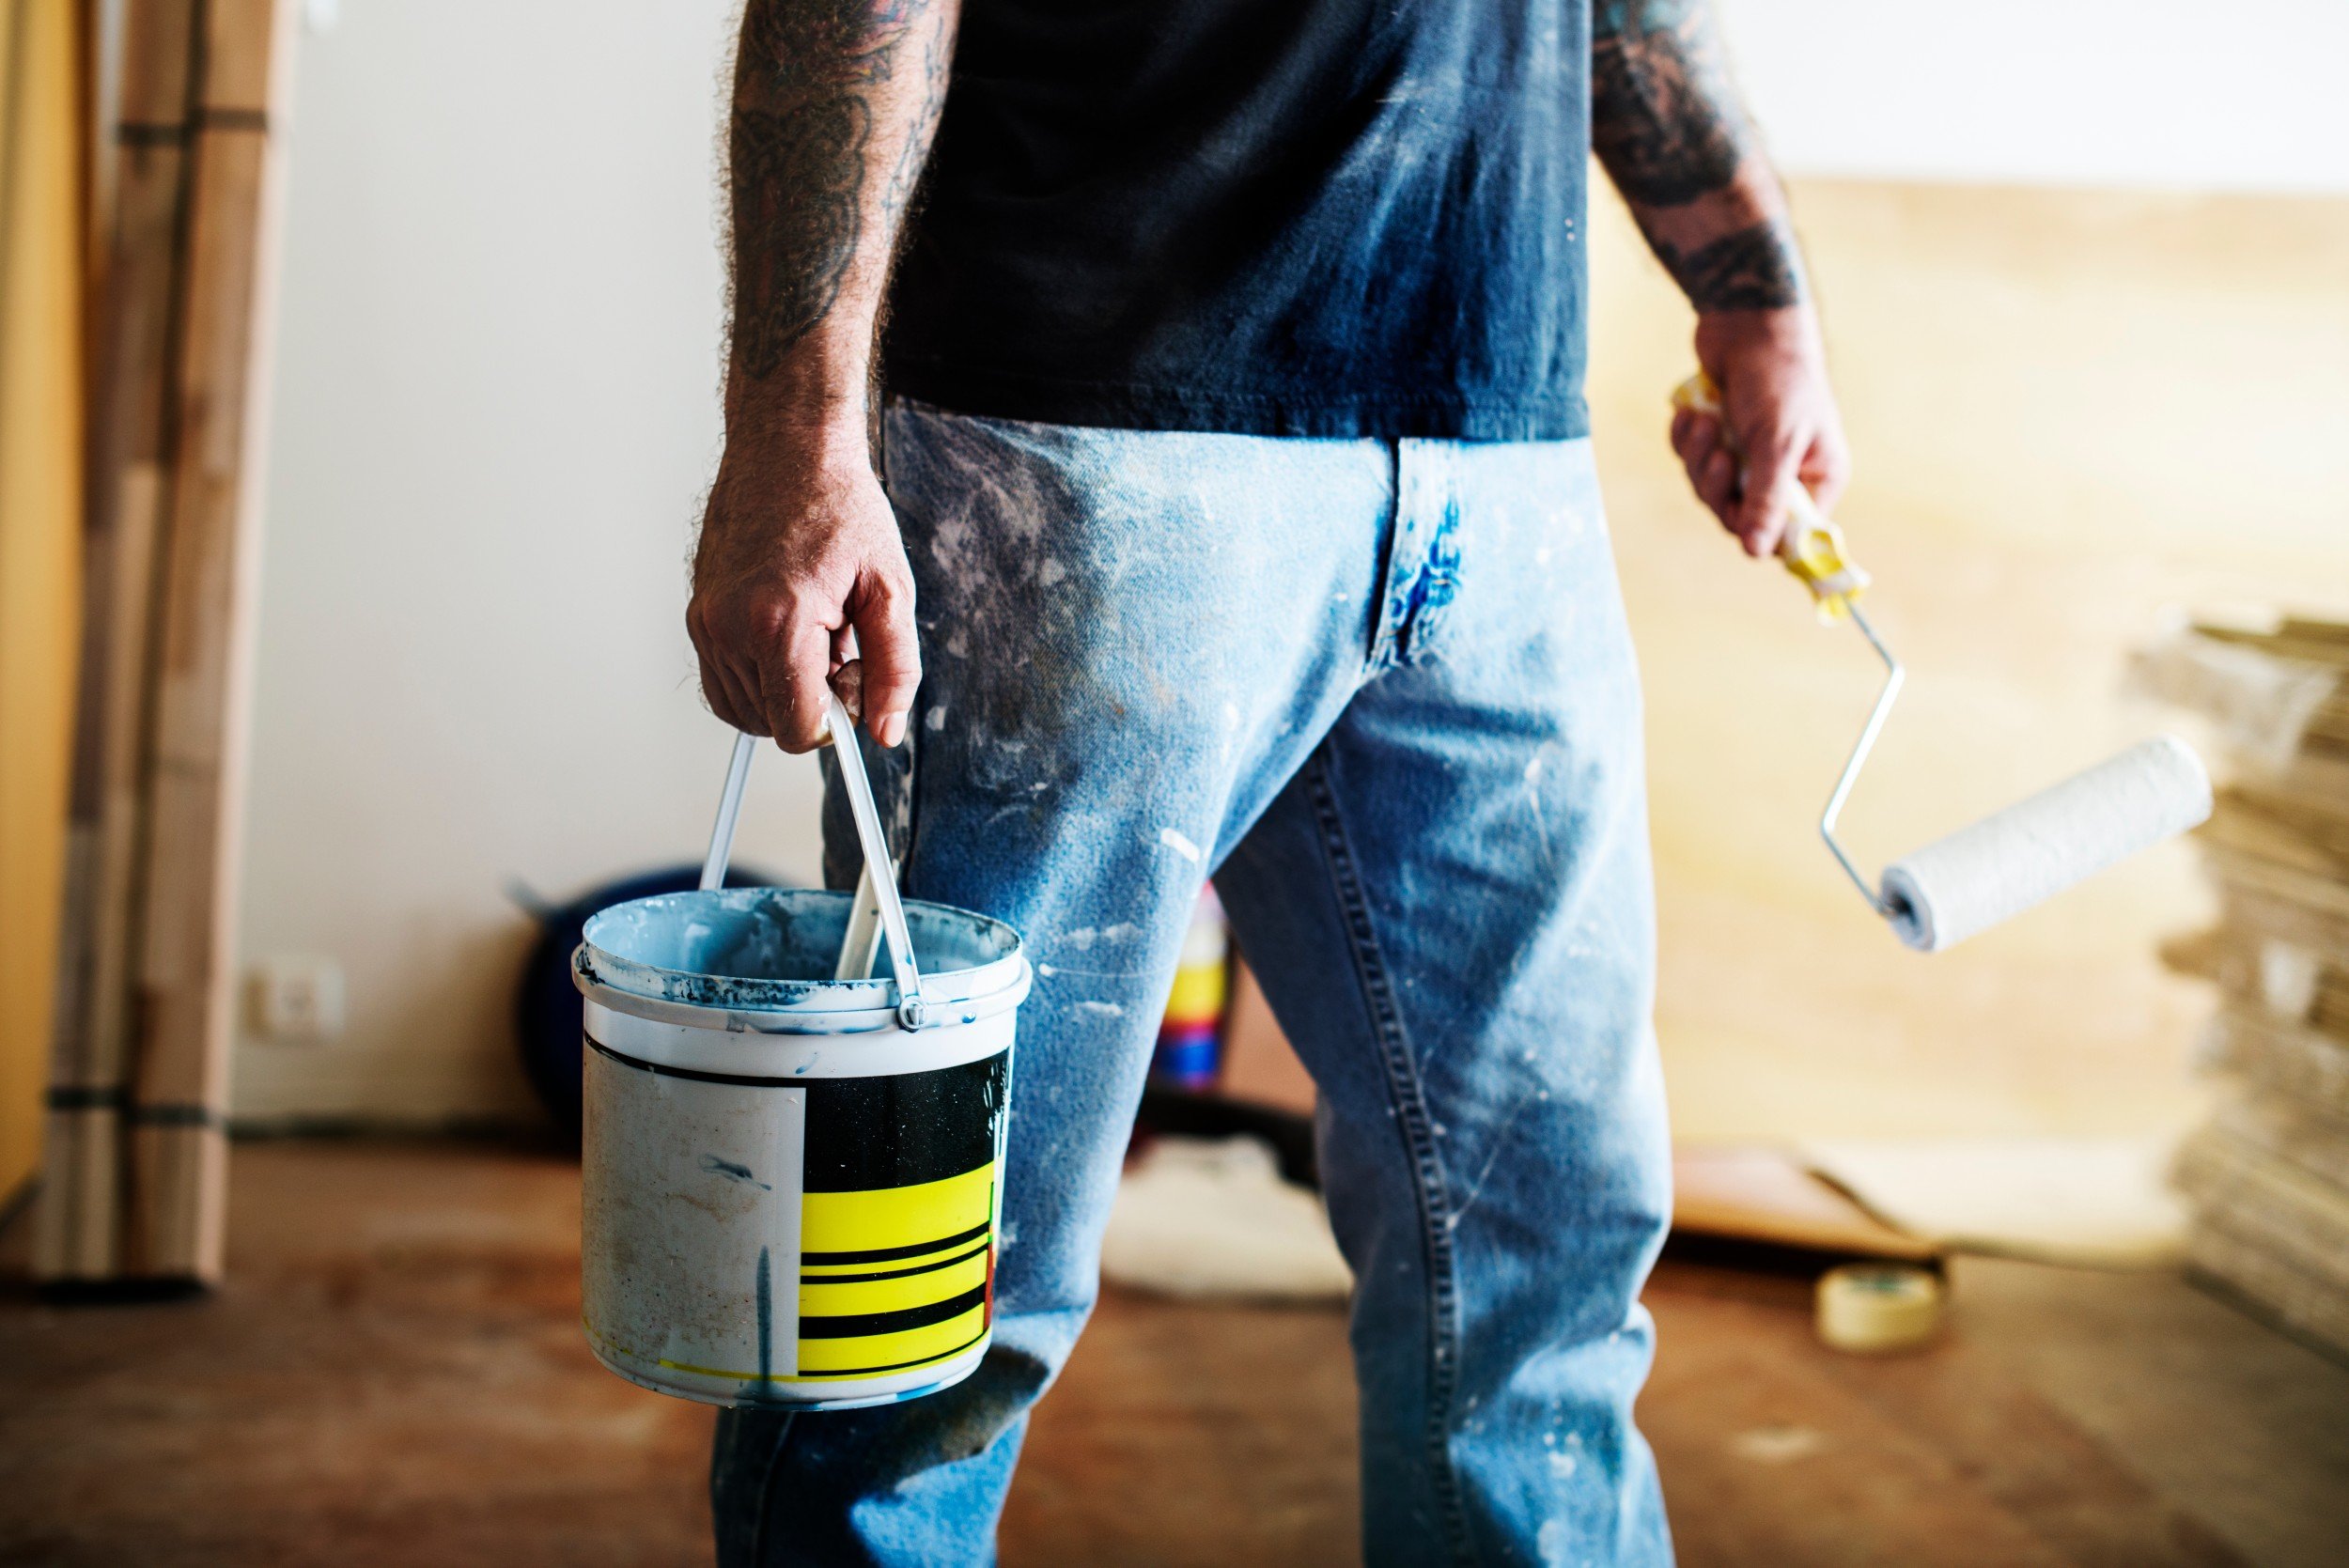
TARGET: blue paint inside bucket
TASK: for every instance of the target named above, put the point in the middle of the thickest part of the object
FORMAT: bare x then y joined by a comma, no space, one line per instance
772,948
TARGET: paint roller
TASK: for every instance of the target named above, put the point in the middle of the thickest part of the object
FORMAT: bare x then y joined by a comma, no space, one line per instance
2008,862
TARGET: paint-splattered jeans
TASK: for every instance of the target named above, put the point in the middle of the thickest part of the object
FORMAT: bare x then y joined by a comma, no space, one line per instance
1383,692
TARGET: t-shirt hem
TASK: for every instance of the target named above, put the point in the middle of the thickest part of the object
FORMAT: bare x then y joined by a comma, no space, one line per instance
1388,415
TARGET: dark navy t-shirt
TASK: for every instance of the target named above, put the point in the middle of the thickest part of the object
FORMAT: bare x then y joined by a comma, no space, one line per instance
1286,217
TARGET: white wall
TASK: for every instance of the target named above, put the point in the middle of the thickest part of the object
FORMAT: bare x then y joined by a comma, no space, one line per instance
2161,93
496,411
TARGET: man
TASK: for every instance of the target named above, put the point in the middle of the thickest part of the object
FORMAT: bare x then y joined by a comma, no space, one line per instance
1235,514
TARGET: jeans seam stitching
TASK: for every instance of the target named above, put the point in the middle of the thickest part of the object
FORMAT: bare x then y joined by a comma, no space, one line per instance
1408,1096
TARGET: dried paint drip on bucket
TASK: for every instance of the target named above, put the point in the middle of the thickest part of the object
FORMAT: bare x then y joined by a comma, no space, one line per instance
791,1199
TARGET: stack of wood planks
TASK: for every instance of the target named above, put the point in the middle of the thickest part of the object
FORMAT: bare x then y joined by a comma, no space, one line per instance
189,99
2268,1177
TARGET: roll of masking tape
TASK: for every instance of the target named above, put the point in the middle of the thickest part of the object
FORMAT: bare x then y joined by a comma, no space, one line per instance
1870,1307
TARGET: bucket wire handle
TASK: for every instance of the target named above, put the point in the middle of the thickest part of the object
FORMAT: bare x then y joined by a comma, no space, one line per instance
879,876
860,944
729,814
895,936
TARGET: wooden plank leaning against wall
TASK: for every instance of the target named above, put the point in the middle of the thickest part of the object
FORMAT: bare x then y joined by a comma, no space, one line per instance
79,1235
136,1184
178,1080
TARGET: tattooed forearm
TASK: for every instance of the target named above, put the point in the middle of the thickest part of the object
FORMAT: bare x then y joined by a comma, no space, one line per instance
1663,117
797,177
1754,268
1666,123
815,108
937,57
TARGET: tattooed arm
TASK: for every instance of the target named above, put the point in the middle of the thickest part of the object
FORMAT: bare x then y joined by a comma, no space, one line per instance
800,561
1667,125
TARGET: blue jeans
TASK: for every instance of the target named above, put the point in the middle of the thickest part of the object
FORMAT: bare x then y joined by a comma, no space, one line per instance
1382,691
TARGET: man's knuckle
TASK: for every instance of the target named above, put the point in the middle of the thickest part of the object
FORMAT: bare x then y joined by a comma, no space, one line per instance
776,615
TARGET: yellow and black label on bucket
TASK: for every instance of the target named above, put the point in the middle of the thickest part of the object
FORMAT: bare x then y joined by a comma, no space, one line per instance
897,1217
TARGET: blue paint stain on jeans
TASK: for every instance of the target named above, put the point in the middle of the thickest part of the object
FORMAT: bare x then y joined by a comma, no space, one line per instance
1418,603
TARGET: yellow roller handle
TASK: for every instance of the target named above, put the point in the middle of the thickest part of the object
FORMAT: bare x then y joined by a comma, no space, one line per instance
1813,547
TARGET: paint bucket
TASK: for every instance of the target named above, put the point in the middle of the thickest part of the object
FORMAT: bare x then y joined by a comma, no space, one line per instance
792,1184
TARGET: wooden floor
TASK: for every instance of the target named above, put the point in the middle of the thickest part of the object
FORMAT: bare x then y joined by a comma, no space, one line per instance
395,1376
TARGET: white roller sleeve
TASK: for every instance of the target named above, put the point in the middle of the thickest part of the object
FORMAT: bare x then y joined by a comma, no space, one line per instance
2003,864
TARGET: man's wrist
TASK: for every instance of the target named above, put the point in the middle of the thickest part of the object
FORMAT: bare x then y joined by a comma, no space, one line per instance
807,416
1797,320
1792,328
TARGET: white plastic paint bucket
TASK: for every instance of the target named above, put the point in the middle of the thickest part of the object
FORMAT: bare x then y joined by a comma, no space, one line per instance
792,1183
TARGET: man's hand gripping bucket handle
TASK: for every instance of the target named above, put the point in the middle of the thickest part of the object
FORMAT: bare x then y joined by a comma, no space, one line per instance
879,876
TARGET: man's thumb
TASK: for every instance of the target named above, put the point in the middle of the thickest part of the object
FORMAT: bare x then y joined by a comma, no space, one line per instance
890,669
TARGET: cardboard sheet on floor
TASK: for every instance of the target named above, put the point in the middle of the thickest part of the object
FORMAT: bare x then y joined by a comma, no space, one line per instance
2101,1202
1212,1219
1765,1196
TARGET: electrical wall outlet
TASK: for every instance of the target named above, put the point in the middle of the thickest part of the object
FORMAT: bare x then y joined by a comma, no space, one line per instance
296,1000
